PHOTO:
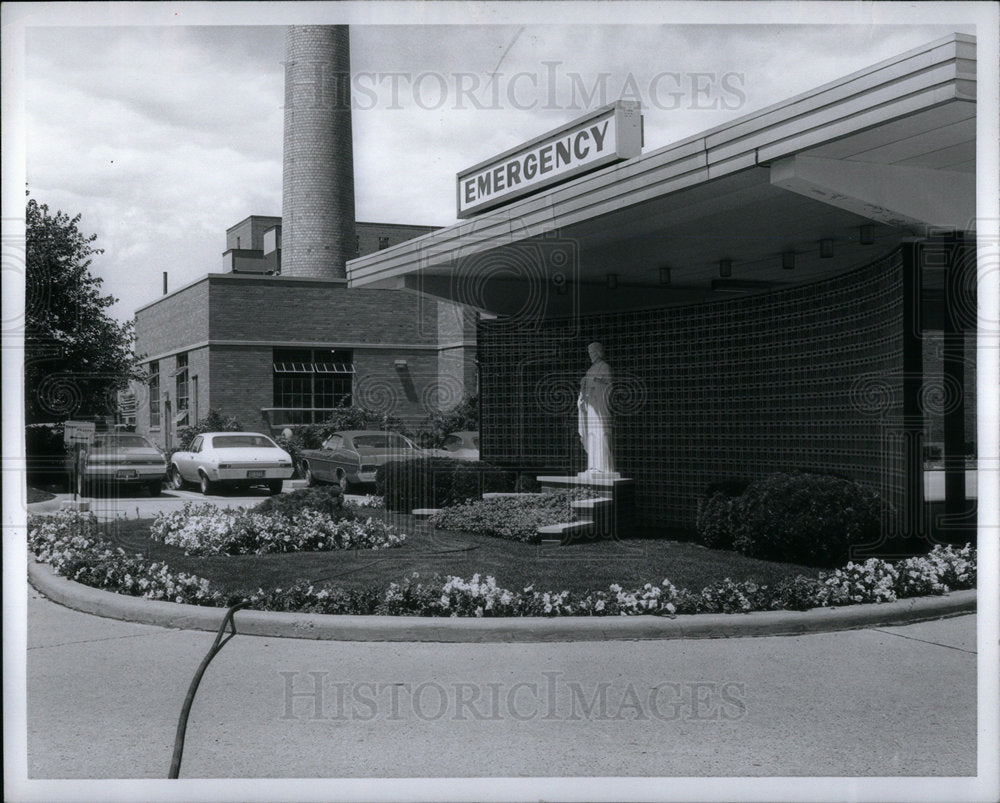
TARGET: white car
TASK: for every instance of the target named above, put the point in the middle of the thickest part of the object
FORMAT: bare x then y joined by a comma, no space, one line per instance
463,445
231,459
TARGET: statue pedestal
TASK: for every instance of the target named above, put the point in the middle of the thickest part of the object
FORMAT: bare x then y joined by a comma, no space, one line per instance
598,475
610,515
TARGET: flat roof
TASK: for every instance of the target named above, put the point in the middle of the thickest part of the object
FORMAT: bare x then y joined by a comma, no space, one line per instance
689,202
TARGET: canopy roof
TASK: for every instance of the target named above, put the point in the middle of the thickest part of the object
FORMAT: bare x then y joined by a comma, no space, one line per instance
891,147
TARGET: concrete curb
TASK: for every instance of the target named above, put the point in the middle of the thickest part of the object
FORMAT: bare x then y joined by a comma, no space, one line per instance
527,629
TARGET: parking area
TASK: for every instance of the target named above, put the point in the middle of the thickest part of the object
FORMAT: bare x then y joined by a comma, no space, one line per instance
146,506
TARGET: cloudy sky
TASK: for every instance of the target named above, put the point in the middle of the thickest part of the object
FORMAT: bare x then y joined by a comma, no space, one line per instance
164,134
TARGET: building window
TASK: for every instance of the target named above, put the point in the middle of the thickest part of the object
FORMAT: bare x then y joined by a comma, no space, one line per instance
181,376
383,242
154,394
309,383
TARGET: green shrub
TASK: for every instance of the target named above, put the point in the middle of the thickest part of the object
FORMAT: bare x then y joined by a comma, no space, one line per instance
715,513
213,422
437,482
323,499
462,417
512,518
810,519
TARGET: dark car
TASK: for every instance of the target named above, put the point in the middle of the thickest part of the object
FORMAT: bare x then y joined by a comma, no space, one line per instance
120,460
357,453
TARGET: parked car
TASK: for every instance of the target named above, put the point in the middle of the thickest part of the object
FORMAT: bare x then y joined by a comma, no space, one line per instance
119,459
233,460
357,453
462,445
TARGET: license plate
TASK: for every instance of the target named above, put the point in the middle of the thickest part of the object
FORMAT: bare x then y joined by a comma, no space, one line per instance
253,474
126,473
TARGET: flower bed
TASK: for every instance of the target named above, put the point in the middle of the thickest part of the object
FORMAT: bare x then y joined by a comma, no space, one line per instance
72,544
208,530
512,518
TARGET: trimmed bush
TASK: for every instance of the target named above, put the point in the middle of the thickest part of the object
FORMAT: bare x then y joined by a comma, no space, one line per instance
511,518
810,519
438,482
213,422
323,499
715,513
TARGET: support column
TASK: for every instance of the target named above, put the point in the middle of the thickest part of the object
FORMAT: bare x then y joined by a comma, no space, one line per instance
958,286
912,518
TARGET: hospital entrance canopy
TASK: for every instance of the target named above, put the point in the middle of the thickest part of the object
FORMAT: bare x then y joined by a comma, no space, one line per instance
834,177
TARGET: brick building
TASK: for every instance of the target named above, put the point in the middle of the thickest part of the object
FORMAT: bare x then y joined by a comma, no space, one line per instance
277,338
274,350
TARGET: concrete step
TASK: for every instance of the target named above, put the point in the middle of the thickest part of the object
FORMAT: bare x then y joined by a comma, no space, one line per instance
565,532
591,504
424,512
504,495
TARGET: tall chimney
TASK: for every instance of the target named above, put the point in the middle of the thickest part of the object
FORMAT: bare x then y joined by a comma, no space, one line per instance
317,215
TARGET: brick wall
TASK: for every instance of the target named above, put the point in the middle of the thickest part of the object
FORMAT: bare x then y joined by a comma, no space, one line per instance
285,309
241,382
250,232
198,395
173,322
370,235
408,392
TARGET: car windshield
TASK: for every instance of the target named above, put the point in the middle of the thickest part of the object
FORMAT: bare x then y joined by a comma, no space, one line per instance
122,441
382,442
242,442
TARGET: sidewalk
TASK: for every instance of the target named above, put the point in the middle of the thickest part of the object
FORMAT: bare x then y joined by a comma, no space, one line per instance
103,700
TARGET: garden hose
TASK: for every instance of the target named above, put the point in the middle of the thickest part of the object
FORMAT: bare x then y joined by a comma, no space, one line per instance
220,642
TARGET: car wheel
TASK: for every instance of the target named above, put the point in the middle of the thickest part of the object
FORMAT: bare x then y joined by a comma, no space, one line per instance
274,486
155,488
207,486
176,480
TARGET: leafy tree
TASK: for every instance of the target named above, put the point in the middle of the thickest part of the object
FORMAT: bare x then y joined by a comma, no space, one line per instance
76,355
213,422
462,417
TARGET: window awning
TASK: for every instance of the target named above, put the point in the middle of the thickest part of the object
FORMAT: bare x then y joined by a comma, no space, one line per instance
313,368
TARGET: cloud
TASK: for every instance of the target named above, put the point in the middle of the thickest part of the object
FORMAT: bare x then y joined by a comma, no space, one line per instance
165,136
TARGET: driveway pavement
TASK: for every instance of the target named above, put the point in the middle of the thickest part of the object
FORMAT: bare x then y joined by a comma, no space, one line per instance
105,507
103,698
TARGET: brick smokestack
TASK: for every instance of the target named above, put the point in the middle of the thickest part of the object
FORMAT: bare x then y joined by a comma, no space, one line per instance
317,229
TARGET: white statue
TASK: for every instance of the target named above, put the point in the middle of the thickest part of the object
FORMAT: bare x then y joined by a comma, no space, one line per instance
595,415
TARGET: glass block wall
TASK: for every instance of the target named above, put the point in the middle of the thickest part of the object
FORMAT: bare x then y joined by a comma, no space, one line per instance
806,378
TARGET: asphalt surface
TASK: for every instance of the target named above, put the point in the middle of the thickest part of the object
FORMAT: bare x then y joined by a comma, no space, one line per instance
103,697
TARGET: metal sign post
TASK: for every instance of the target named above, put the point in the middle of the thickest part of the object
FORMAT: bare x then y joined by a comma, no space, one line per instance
78,434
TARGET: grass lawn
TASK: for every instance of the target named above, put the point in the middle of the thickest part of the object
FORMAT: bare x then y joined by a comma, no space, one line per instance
579,567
